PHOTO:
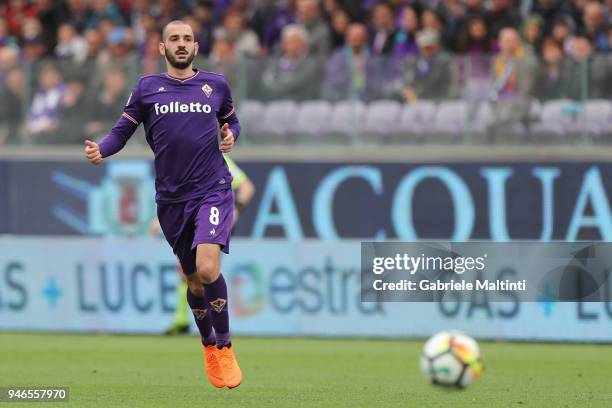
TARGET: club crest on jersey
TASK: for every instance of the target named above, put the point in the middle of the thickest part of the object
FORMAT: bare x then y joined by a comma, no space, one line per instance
207,90
218,304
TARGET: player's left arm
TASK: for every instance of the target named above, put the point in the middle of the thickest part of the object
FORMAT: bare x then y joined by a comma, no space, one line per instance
230,126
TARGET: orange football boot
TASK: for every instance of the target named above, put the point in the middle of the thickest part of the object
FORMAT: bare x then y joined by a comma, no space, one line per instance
229,367
213,370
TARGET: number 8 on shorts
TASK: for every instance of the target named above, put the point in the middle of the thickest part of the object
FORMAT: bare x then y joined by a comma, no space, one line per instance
214,216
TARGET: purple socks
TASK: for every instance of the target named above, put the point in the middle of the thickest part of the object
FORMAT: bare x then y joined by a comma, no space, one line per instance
202,318
216,298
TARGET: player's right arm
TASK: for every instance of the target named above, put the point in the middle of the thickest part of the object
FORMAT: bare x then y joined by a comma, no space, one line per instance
133,114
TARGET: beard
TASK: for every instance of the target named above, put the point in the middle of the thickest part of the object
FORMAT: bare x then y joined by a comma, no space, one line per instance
171,58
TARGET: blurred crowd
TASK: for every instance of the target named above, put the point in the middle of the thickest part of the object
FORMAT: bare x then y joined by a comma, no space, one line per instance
66,66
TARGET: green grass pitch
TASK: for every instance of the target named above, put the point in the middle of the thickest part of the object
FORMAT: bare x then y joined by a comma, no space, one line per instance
146,371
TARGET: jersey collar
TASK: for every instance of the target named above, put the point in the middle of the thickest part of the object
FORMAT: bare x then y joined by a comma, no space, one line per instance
195,73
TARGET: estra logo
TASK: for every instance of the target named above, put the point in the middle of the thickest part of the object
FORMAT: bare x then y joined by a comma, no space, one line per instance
177,107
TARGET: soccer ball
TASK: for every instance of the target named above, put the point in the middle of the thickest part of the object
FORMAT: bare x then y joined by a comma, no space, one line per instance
452,358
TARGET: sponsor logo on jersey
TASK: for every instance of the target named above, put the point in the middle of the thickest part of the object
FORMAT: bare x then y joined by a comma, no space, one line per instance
178,107
161,89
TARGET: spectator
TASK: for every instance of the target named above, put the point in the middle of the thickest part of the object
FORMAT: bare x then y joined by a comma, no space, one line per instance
70,45
428,76
349,68
106,105
33,43
292,75
383,37
202,14
575,8
244,39
273,19
11,115
432,20
74,113
95,44
119,42
474,8
453,14
150,54
353,9
142,21
547,10
595,26
563,29
551,78
79,14
587,67
102,10
222,58
146,25
532,33
51,14
513,75
340,22
474,38
476,44
9,58
44,114
6,39
309,17
502,15
169,10
405,38
15,12
106,26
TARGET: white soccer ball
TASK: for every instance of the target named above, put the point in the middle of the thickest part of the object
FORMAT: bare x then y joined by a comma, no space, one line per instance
452,358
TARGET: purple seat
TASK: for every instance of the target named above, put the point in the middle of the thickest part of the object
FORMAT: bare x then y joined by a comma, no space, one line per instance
312,118
597,117
557,118
347,117
416,118
278,118
451,118
382,118
250,114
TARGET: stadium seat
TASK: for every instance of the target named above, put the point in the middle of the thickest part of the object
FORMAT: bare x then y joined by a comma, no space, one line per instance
450,121
311,119
277,119
597,116
346,121
414,121
557,117
381,120
250,114
512,133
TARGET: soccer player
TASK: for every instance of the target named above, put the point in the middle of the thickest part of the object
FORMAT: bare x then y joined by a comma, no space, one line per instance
243,193
189,121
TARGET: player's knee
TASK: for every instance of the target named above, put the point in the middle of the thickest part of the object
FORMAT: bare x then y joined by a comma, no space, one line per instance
208,271
195,287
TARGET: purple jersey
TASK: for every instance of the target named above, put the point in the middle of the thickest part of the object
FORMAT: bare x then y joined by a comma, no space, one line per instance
181,118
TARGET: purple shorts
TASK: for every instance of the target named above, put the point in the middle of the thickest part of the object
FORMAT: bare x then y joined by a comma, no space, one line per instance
206,220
